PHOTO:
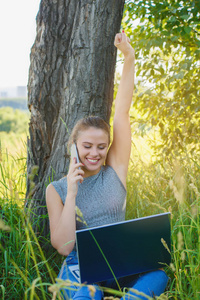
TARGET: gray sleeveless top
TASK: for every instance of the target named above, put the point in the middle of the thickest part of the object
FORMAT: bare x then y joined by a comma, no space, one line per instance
101,198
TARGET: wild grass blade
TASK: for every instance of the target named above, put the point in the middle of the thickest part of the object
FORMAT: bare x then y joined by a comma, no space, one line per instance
41,253
107,262
3,291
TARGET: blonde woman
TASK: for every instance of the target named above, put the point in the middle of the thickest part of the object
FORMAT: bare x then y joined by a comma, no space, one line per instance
97,186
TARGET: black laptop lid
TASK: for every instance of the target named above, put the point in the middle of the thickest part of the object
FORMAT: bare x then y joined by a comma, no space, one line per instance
129,247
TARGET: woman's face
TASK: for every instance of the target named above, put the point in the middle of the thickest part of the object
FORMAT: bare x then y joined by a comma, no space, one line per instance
92,145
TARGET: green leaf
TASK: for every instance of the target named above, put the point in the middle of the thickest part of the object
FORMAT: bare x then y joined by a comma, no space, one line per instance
185,17
174,38
198,43
172,20
187,29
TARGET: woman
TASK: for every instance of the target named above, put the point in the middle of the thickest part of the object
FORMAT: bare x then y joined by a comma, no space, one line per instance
97,185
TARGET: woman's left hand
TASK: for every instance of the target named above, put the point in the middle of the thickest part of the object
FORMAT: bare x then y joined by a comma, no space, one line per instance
122,42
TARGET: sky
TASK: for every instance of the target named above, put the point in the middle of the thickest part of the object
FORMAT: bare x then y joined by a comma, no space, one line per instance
17,35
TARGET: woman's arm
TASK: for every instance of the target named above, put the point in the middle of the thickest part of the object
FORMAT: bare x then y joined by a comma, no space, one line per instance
119,153
62,217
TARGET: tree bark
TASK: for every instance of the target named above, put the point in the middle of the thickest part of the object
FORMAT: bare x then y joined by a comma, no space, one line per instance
71,76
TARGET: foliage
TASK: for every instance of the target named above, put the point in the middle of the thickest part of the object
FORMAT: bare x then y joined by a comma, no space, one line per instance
22,261
13,120
13,174
25,273
166,38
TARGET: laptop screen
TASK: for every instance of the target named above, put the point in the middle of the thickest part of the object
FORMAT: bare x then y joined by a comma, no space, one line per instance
124,248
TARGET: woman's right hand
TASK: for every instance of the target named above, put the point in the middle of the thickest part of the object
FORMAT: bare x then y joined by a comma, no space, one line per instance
75,174
122,42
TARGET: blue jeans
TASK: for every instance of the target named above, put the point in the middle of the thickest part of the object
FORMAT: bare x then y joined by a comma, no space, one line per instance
151,283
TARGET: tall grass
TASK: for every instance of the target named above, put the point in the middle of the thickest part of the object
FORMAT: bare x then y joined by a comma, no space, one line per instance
155,187
26,272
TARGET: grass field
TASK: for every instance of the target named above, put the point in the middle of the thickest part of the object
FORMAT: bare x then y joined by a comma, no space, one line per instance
29,272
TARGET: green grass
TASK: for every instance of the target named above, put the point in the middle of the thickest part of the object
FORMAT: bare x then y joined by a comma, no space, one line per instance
155,187
27,271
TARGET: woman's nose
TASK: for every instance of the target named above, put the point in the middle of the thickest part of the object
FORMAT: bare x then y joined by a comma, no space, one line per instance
94,151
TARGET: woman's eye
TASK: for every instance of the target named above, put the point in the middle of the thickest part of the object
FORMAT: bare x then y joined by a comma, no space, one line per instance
101,148
87,147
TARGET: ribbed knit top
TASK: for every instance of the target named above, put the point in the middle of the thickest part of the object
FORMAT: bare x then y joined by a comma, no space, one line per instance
101,198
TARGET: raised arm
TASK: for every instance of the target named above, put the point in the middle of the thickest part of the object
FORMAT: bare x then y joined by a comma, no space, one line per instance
119,153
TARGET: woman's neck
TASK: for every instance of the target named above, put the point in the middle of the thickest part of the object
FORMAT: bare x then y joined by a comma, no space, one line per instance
89,173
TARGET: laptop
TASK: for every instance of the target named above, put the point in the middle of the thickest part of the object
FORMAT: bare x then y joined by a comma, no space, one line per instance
124,248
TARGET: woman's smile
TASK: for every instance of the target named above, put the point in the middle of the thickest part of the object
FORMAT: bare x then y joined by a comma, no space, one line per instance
92,161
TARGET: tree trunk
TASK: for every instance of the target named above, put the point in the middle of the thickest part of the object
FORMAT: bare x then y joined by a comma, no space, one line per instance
71,76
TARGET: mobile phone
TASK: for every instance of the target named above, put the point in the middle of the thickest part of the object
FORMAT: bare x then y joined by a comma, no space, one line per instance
74,153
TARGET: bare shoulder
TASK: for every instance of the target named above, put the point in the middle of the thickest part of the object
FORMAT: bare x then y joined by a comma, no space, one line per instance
54,206
52,196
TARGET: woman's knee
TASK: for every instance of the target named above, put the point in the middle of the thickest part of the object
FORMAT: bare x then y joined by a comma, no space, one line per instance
158,278
150,283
